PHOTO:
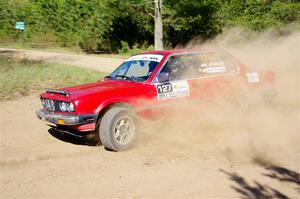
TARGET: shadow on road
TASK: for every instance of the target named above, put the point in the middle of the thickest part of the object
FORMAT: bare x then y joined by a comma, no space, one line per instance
255,191
4,52
282,174
65,137
8,53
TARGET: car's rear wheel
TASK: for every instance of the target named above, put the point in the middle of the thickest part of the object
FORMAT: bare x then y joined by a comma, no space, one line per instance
118,129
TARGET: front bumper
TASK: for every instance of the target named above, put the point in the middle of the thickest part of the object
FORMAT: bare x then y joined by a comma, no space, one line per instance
66,119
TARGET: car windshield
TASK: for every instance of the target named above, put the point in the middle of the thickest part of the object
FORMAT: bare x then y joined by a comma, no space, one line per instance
137,68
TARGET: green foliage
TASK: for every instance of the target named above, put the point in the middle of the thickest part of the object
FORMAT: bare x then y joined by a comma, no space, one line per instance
125,47
259,15
132,22
22,77
94,25
186,19
9,16
126,50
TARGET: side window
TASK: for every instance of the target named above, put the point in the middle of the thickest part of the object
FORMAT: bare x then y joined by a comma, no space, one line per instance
215,63
195,65
231,66
165,74
211,64
175,69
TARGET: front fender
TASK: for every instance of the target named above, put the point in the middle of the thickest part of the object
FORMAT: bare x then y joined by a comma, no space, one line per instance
109,102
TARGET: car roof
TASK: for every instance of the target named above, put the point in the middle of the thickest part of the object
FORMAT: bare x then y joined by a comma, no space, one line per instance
178,51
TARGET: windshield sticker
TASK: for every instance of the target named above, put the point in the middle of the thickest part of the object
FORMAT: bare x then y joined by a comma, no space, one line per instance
172,90
253,77
146,57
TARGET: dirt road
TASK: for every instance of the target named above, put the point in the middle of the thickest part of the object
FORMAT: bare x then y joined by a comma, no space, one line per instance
221,155
37,164
104,64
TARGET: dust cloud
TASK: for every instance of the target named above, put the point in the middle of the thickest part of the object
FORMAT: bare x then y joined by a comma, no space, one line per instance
263,133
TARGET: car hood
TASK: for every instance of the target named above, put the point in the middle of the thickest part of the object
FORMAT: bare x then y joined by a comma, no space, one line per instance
96,87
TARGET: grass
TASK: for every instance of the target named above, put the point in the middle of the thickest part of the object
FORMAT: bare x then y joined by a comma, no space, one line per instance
21,77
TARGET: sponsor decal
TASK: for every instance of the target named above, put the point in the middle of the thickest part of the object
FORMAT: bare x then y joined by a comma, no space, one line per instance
171,90
146,57
220,69
215,67
253,78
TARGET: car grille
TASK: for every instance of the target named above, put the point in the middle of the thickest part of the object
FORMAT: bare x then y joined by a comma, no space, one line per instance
51,105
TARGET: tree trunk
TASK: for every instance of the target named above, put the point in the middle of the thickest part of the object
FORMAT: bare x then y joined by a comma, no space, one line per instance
158,27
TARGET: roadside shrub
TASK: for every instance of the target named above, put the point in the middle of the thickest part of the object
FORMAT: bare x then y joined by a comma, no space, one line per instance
126,50
43,40
124,47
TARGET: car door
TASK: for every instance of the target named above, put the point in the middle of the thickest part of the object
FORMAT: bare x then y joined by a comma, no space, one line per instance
215,76
193,79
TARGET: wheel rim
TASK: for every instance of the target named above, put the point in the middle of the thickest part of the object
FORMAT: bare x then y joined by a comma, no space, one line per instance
124,130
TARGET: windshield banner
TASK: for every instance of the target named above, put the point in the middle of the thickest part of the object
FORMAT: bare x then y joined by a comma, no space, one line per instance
146,57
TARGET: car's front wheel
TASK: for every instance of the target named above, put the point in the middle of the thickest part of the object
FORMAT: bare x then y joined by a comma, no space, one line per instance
118,129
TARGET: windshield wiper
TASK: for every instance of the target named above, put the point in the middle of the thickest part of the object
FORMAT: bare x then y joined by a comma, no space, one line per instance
108,77
125,77
121,76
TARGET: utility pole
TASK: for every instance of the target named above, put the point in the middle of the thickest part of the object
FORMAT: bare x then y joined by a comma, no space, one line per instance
158,26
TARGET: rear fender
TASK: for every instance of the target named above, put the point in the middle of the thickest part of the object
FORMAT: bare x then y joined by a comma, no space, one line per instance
268,77
260,78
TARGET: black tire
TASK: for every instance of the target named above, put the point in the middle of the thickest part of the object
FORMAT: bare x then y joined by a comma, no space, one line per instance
118,129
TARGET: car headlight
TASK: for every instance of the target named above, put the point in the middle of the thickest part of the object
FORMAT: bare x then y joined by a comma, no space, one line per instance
48,105
43,102
63,106
71,107
52,106
66,106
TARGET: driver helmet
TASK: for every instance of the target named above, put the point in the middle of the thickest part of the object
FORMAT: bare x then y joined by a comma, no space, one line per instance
174,65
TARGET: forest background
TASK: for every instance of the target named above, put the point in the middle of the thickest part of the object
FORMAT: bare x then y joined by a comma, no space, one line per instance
123,25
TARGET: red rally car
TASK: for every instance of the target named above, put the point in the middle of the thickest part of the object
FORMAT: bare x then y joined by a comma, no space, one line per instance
141,86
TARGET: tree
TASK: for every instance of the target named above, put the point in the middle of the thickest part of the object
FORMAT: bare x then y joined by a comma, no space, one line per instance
132,22
103,24
187,19
259,15
158,35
